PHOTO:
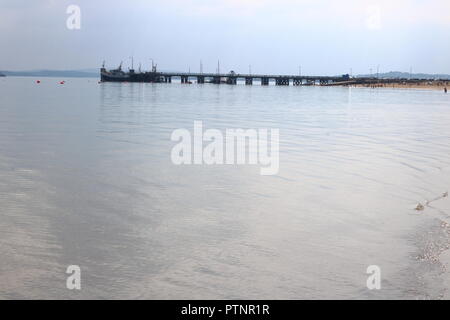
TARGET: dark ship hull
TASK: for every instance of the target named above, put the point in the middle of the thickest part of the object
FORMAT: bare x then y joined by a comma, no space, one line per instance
120,76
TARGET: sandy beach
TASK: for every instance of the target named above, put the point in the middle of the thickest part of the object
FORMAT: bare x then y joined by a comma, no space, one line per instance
431,85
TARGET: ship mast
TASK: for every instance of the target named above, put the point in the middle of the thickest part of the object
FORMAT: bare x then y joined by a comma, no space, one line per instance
132,64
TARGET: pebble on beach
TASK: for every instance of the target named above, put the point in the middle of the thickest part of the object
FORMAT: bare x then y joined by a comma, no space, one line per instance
420,207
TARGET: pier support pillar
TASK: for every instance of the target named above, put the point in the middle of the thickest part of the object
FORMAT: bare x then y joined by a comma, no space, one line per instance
231,80
201,79
249,81
264,81
184,79
216,80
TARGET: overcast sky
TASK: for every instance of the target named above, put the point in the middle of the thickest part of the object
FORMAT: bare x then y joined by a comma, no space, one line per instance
274,36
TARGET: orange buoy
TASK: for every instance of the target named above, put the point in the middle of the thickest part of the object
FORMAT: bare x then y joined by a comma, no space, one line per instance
62,82
38,81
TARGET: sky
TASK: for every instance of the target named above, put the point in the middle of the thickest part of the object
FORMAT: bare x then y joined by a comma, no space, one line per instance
323,37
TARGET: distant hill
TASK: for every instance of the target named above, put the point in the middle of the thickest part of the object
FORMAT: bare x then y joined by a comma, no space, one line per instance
406,75
86,73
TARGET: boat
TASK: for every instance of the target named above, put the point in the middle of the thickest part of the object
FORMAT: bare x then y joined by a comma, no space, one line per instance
118,75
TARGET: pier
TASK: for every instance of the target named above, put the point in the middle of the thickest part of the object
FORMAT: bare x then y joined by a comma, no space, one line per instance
294,80
249,79
232,78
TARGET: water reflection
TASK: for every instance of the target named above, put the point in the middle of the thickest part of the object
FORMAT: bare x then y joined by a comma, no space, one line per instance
86,179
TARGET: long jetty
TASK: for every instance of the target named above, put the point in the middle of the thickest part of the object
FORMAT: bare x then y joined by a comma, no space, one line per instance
232,78
286,80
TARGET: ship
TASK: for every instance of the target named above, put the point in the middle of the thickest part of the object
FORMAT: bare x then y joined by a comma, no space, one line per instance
118,75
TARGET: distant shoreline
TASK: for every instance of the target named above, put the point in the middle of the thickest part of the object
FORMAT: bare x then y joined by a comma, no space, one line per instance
52,75
95,73
384,83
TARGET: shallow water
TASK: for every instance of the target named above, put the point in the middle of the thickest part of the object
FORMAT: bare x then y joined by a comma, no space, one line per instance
86,179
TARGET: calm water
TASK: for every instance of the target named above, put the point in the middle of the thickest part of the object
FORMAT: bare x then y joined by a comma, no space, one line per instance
86,179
